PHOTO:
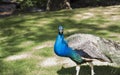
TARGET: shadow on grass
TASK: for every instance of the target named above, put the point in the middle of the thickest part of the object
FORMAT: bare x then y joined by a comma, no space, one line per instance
80,27
85,70
114,28
17,29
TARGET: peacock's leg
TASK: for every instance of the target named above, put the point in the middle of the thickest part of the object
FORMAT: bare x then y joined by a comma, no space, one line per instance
77,69
92,68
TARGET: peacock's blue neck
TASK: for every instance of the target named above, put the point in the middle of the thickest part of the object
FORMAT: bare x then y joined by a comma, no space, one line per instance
61,48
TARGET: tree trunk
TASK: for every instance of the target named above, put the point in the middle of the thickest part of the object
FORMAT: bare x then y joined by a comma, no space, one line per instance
58,4
67,4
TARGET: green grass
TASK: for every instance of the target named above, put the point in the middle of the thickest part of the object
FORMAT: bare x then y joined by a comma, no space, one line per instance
20,67
24,32
45,52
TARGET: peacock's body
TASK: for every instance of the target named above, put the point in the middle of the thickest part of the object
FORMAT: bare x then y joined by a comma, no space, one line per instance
83,48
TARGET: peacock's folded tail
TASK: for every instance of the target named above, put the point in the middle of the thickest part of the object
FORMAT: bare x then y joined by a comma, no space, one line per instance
95,47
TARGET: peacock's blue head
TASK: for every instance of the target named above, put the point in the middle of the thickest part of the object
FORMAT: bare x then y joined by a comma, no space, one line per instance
60,29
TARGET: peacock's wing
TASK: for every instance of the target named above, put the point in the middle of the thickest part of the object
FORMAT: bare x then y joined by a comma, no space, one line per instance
86,45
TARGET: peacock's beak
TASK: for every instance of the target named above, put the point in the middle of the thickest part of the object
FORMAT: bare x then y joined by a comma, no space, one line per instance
61,31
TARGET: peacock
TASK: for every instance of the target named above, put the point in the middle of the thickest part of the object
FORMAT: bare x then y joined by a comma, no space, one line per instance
85,48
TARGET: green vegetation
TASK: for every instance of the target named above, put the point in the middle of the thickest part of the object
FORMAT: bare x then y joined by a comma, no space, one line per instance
55,4
33,34
32,3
